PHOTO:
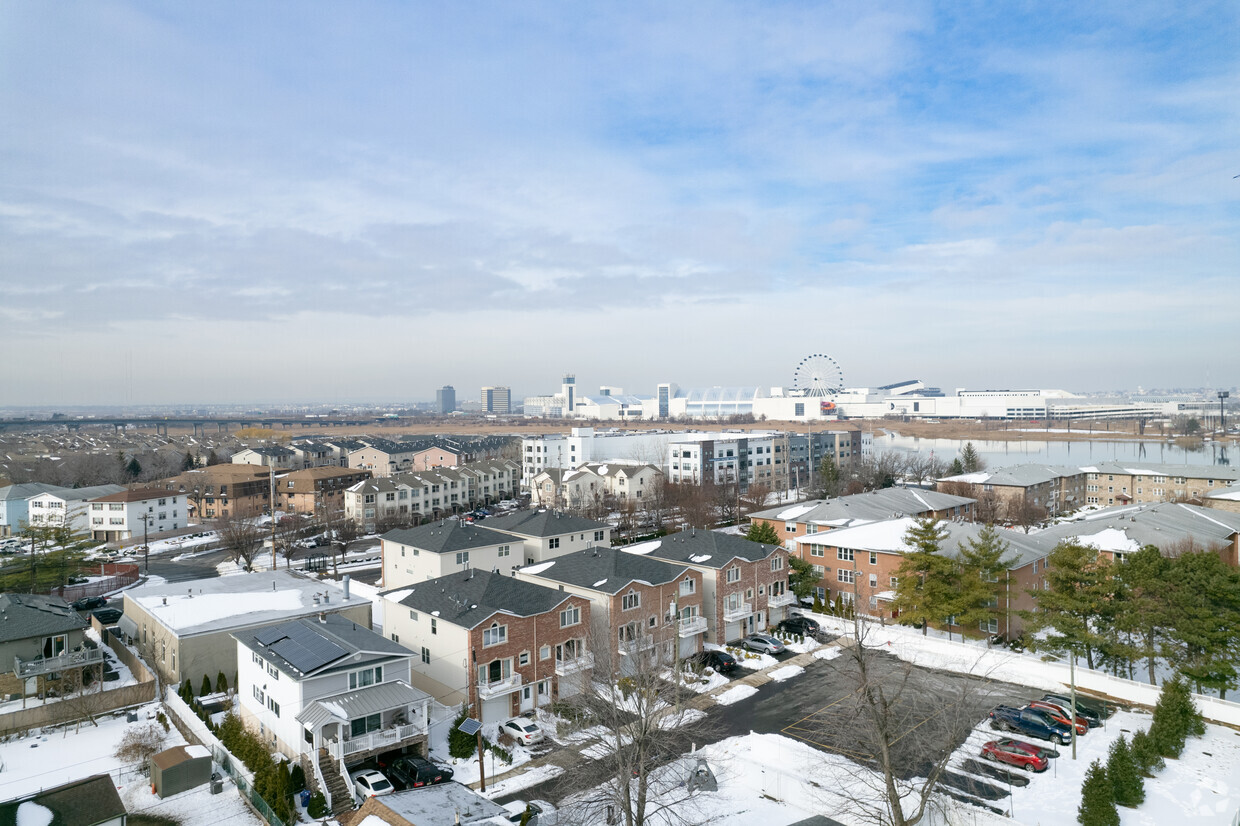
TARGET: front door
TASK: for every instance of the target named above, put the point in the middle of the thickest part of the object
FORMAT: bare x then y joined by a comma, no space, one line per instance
527,698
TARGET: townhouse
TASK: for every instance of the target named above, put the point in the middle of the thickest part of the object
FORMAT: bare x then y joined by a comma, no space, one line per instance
1052,489
744,583
276,456
1119,483
575,488
316,490
414,555
500,644
383,457
628,482
549,533
409,498
65,507
43,640
639,606
130,513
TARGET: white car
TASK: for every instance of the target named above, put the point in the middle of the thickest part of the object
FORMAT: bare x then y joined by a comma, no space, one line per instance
371,784
522,730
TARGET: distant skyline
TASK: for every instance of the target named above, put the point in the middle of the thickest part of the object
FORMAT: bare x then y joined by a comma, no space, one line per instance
240,203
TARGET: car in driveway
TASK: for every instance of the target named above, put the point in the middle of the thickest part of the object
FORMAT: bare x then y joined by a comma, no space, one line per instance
721,661
90,603
413,772
371,784
522,730
1060,715
798,625
1016,753
763,643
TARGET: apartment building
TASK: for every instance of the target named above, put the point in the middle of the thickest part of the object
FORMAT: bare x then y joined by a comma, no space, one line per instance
66,507
383,457
576,489
224,491
1117,483
316,490
1172,527
129,513
276,456
409,498
414,555
741,460
1054,488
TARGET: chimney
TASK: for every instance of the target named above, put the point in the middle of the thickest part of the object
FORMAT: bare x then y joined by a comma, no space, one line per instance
317,598
346,587
165,600
327,597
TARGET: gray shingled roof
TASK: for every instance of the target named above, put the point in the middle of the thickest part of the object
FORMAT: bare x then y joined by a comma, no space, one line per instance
447,536
26,490
332,628
1021,476
23,616
1140,468
543,523
607,570
873,506
1161,525
469,597
709,548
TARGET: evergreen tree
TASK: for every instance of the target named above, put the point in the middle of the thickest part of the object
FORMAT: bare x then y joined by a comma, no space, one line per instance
460,744
927,585
956,468
970,462
133,470
221,683
1126,783
1077,586
762,532
828,477
1145,753
188,463
1204,607
1097,800
817,606
801,577
984,563
206,686
1145,613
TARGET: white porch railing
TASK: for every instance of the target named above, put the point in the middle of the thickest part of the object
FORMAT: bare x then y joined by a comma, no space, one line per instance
691,626
780,600
388,738
735,612
494,688
574,664
61,662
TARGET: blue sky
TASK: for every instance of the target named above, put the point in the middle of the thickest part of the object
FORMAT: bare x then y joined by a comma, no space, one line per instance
266,202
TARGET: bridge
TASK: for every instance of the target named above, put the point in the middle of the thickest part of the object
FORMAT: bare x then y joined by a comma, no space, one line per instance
200,425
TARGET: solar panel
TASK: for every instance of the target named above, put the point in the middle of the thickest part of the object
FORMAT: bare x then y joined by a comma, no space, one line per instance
469,726
267,636
305,650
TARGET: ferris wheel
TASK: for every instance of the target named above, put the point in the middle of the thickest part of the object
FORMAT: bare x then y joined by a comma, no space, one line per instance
818,375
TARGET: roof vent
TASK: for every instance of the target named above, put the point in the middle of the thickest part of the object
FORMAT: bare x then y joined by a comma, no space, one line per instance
191,593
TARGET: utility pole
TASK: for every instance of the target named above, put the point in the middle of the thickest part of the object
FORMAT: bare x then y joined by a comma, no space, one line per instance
146,543
1223,395
272,513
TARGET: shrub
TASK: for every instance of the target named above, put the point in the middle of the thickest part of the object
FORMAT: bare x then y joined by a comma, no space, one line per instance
1097,800
317,807
1127,787
297,778
500,752
627,686
460,744
1145,754
1176,718
817,606
162,719
206,686
138,744
221,683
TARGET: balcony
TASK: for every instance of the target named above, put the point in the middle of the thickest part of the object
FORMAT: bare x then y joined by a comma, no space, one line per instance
732,613
495,688
642,643
780,600
574,665
61,662
385,739
691,626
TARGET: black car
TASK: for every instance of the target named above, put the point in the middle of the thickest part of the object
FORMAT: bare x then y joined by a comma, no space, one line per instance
90,603
798,625
1091,711
412,772
721,661
108,616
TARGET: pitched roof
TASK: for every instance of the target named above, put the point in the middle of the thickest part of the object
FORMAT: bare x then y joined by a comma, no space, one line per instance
711,549
35,615
1127,529
543,523
25,490
888,537
304,647
447,536
80,803
1020,476
873,506
1155,469
466,598
139,495
607,570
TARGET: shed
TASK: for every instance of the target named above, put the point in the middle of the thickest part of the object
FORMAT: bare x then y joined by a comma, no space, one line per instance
180,769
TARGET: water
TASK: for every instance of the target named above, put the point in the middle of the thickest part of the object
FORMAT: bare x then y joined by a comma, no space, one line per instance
999,454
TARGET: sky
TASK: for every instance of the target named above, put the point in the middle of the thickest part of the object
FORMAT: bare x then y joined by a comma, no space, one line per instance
267,202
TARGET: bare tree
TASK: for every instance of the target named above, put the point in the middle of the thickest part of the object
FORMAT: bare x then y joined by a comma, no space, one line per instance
241,538
1019,510
346,534
82,690
754,499
139,743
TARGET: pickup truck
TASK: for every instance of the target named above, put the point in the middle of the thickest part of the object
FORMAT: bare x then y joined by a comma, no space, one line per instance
1031,722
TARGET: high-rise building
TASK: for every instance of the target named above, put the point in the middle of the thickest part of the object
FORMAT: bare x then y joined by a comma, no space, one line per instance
445,399
497,399
569,391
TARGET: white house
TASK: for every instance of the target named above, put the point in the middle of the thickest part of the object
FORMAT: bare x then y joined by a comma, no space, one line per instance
131,513
66,506
413,555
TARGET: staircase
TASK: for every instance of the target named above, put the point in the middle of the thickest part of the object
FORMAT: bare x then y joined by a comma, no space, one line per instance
337,786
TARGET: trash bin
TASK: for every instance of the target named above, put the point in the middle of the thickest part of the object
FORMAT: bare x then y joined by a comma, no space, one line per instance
305,798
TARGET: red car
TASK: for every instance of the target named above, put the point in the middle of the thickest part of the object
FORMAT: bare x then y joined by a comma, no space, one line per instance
1060,714
1017,753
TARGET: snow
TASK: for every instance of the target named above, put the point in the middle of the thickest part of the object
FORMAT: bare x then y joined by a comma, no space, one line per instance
1110,539
397,596
32,814
735,694
372,820
795,511
597,584
537,569
517,782
643,548
183,612
700,558
887,535
786,673
829,653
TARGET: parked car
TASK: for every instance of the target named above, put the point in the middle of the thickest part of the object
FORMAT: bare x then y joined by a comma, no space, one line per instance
1092,712
412,772
798,625
108,616
1031,722
371,784
90,603
1016,753
1060,714
522,730
541,813
763,643
721,661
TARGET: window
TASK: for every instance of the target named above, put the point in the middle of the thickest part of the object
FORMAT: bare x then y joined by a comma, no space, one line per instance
365,677
504,550
462,558
873,580
777,563
544,653
816,550
844,575
790,527
523,658
274,706
818,571
734,574
873,557
364,725
989,625
434,626
845,554
426,654
894,581
630,601
395,637
273,671
570,616
413,615
259,695
554,542
598,536
495,635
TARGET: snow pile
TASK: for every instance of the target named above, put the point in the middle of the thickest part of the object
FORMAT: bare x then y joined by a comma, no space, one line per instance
786,673
829,653
735,694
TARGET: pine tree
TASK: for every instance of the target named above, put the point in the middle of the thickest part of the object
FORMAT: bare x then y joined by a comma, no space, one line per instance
133,470
763,532
460,744
801,577
1205,625
1145,615
984,563
1145,754
817,606
956,468
970,462
221,683
1176,718
928,585
1126,783
829,477
206,686
1078,585
1097,800
188,463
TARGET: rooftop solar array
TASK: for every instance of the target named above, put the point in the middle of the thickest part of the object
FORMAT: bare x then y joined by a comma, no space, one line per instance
300,646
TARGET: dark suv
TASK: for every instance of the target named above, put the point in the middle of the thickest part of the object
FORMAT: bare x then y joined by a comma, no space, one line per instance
90,603
412,772
721,661
798,625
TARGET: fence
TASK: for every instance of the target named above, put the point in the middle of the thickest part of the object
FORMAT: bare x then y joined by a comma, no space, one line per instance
115,576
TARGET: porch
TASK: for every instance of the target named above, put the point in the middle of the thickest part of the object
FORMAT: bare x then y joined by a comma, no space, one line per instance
360,724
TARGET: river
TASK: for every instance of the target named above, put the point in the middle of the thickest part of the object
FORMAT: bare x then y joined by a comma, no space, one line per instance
1004,453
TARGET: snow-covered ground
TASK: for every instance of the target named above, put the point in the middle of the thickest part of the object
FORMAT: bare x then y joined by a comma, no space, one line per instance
735,694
